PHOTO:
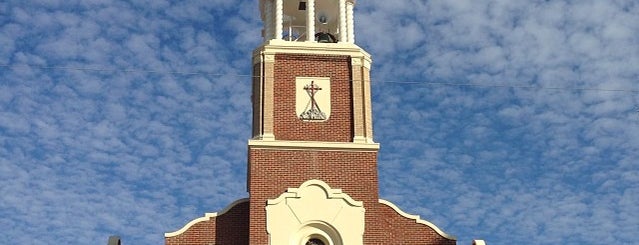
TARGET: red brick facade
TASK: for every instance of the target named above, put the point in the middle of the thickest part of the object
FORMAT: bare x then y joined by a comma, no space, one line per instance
230,228
388,227
272,171
338,128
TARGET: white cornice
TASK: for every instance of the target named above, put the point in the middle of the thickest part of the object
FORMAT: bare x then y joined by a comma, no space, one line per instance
207,216
280,46
417,219
311,145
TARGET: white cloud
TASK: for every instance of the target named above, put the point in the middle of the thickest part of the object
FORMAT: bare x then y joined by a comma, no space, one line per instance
116,150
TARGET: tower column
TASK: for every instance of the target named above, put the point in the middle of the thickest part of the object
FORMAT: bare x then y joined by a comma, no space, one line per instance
279,18
269,33
368,106
342,21
310,20
350,22
359,121
362,110
268,90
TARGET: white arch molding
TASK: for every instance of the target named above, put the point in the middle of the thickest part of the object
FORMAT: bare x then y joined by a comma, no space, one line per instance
314,210
317,230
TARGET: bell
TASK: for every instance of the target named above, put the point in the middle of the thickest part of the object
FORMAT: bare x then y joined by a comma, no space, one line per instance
324,37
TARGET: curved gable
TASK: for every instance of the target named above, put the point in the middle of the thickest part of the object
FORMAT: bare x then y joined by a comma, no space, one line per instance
228,225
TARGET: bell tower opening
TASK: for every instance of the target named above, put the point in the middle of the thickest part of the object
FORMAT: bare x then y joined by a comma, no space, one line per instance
324,21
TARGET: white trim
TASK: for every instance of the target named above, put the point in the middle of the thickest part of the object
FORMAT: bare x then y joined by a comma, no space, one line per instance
342,21
315,210
271,47
309,145
269,20
279,18
322,98
318,230
350,25
417,219
362,139
207,216
310,21
330,193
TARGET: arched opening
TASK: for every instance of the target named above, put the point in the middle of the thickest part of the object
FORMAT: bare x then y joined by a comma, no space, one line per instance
315,241
317,233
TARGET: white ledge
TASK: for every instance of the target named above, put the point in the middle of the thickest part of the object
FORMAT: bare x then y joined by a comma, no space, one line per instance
272,47
341,48
417,219
207,216
308,145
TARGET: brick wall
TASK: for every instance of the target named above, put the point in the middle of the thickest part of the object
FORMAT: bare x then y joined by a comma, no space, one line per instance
273,171
339,126
389,227
230,228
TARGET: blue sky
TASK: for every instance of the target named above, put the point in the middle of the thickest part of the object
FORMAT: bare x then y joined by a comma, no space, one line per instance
511,121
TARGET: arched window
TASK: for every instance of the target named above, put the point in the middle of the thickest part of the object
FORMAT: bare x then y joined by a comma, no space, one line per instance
315,241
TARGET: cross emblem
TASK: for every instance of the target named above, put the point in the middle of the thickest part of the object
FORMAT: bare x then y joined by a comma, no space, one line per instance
314,112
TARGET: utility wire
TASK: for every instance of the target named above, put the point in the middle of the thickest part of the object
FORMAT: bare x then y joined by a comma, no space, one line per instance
119,70
425,83
514,86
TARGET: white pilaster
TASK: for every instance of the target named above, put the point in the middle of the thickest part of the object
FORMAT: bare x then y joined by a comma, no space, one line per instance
342,21
350,21
279,16
310,20
269,32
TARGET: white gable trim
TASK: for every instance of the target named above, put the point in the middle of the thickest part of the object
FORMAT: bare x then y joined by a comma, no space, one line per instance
417,219
207,216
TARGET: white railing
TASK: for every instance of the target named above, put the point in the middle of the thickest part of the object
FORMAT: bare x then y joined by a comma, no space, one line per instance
294,33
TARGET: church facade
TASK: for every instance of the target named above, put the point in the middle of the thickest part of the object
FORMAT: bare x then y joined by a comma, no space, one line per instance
312,161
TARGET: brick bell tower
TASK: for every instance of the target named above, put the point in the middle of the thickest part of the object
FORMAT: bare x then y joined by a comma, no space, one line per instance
312,176
312,162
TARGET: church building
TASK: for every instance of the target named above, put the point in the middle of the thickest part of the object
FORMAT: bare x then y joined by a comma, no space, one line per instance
312,161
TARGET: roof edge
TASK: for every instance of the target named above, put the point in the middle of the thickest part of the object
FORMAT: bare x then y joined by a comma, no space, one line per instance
417,219
206,217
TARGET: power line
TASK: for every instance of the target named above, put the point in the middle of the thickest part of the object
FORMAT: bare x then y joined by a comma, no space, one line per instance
514,86
119,70
425,83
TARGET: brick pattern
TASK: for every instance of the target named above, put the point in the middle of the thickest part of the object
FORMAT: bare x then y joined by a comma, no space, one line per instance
273,171
230,228
287,125
388,227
